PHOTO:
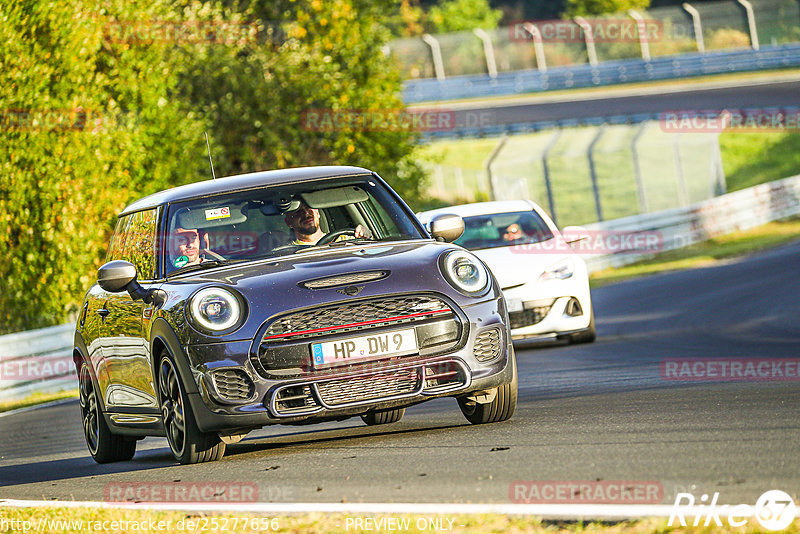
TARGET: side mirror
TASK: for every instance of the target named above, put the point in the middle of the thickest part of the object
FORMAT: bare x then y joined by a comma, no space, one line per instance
118,275
447,227
115,276
573,234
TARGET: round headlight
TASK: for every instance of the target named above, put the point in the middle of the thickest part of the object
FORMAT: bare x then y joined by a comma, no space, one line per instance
215,309
465,272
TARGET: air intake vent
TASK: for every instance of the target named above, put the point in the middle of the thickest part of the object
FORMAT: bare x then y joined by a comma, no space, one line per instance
345,279
487,345
528,317
233,384
295,400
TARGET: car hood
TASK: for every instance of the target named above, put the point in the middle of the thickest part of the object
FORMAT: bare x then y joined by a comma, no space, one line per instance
514,266
275,286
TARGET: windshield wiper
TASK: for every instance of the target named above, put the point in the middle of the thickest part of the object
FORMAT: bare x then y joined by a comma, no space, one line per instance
198,266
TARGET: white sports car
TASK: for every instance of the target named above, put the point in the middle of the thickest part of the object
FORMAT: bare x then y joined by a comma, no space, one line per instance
546,285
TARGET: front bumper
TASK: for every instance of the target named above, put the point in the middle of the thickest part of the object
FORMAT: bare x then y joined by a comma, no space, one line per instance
314,396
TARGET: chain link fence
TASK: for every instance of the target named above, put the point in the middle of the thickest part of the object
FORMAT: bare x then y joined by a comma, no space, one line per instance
585,175
707,26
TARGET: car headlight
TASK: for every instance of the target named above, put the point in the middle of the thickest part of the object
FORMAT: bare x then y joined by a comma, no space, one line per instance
559,271
465,272
215,309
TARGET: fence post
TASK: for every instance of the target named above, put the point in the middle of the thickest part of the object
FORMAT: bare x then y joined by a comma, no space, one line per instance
641,25
551,202
751,22
698,27
593,171
488,166
718,169
488,51
637,170
588,37
436,54
683,193
538,45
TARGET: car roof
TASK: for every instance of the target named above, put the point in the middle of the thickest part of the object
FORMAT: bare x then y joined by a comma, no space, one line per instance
242,181
480,208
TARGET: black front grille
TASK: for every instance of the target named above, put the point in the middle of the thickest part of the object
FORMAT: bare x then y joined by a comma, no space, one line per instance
444,376
528,317
487,345
354,316
233,384
363,388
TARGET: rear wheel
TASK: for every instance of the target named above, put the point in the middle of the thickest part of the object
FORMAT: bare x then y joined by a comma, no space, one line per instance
383,417
499,409
188,443
104,446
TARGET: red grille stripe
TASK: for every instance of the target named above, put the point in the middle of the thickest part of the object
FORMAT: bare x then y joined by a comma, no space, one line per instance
363,323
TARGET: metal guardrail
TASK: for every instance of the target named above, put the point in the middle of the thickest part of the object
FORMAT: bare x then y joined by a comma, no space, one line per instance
41,360
37,361
704,220
604,73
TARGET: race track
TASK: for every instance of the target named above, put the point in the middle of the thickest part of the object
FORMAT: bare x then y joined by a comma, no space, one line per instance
592,412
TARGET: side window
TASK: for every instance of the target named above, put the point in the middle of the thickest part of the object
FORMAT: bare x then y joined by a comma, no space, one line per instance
139,248
117,240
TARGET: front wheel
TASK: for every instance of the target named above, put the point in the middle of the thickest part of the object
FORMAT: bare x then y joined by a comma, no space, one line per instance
104,446
188,443
499,409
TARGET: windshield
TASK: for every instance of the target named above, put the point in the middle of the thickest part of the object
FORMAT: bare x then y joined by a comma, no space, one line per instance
503,229
272,221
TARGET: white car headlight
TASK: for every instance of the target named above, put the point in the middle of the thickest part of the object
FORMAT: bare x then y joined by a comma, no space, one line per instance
559,271
465,272
215,309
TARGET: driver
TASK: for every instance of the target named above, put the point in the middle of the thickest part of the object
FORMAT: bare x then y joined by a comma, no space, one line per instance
304,221
186,247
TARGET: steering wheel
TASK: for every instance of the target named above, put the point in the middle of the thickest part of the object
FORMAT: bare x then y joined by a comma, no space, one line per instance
333,236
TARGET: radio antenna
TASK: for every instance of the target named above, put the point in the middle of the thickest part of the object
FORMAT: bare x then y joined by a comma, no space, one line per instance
214,176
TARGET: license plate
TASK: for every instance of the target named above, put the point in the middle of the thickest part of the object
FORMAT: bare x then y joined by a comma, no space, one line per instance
370,347
514,305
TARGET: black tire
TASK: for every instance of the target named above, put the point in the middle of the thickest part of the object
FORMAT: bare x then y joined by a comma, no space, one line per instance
383,417
104,446
588,335
189,445
500,409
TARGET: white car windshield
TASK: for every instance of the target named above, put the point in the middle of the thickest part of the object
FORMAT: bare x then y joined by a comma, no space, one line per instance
503,229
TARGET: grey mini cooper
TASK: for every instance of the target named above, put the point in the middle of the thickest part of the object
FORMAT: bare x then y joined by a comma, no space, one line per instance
283,297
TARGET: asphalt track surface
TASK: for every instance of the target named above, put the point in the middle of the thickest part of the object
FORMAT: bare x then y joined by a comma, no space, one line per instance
592,412
761,95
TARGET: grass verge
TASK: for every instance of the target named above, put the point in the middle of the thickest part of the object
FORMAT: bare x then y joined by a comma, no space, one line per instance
119,520
706,254
37,398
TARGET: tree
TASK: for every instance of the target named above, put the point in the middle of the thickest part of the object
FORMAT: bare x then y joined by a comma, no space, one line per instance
582,8
460,15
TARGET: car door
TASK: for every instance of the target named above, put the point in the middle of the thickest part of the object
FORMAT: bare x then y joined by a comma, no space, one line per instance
126,350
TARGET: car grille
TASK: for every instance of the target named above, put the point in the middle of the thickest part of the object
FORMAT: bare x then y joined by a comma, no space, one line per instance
233,384
528,317
362,388
345,279
487,345
354,316
304,398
